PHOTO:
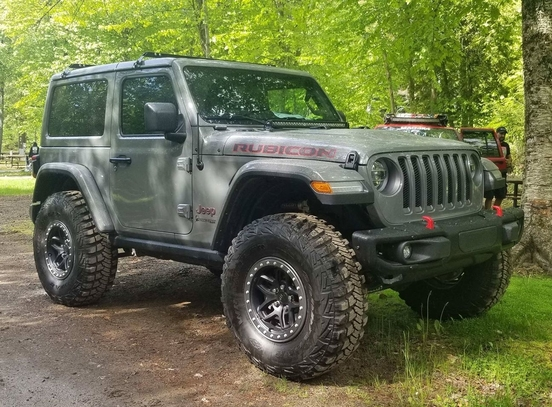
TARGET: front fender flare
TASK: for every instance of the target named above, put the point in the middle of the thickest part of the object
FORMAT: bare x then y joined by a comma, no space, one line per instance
303,171
307,171
48,182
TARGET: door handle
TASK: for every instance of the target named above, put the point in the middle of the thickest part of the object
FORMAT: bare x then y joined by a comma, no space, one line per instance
122,159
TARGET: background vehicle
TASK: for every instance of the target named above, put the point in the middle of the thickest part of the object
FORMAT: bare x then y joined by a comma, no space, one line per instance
425,125
487,142
251,170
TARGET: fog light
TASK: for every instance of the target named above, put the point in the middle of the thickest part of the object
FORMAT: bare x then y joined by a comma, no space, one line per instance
407,251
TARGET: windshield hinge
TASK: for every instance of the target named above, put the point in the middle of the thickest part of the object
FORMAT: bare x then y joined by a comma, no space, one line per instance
184,164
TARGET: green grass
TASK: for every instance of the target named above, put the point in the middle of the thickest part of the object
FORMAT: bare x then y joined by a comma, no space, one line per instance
10,185
502,359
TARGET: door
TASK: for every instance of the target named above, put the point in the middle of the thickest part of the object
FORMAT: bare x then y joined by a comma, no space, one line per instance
151,186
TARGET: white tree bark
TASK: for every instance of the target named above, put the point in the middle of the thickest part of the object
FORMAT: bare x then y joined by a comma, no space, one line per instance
535,250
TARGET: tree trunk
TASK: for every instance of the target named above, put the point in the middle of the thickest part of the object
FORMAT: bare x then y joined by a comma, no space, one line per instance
389,83
203,27
535,250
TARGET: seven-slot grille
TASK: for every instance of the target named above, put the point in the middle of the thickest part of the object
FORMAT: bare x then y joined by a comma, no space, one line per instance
435,180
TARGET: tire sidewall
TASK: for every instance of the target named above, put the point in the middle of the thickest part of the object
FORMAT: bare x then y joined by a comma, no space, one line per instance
268,352
57,208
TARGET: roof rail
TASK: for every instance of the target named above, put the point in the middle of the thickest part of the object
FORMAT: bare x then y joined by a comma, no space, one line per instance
140,61
73,66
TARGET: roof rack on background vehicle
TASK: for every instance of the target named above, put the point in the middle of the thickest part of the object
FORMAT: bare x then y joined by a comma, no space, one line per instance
440,119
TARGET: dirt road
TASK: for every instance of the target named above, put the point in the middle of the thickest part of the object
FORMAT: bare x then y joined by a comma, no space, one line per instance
158,338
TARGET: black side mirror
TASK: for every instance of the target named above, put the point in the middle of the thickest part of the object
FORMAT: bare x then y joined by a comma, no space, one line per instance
163,117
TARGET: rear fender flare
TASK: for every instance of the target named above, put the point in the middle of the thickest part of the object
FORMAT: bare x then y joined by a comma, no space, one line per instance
50,179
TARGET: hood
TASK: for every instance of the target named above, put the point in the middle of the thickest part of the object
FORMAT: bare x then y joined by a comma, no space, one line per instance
331,144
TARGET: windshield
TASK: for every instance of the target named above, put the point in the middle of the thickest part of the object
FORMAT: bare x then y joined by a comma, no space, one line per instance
484,140
228,95
446,133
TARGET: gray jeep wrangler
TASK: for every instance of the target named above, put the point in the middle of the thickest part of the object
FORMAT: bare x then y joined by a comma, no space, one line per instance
250,171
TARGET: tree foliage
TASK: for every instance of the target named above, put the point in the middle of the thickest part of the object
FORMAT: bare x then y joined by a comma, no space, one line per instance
456,57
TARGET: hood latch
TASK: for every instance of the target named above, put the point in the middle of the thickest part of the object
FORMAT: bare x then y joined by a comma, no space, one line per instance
351,162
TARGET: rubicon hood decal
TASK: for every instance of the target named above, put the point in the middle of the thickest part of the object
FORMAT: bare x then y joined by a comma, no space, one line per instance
287,150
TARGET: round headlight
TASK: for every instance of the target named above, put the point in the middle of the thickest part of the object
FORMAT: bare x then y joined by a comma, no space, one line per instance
472,165
380,174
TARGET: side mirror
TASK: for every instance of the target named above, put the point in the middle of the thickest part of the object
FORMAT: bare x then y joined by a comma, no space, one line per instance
163,117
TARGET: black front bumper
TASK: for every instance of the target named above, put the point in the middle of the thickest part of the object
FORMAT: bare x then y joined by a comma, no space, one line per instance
452,244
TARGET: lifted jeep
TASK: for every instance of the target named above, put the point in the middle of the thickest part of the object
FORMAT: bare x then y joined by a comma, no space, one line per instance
250,170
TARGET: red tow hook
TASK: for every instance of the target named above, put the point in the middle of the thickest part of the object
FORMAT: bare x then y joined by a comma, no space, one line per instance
430,222
498,210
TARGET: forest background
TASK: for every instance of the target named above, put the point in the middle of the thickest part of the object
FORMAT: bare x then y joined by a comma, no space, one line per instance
459,57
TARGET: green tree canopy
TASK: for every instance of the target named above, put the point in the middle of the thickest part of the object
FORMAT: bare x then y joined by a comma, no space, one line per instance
457,57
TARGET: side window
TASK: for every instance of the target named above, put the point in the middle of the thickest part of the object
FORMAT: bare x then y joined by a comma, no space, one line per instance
136,93
78,109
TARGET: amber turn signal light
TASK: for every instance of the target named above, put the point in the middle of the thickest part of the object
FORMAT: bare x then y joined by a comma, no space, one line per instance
321,187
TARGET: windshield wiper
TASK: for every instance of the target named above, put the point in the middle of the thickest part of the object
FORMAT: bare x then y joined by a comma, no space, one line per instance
239,117
236,117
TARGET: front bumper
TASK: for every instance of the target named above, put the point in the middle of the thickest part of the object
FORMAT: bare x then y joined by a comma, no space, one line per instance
451,245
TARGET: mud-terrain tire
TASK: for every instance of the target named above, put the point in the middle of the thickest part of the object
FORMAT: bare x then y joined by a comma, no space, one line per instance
76,263
293,295
468,294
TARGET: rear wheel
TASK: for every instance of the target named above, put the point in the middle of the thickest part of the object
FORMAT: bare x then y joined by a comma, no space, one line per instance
76,263
293,295
464,294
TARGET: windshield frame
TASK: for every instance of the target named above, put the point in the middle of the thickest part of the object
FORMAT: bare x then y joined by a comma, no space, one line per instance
232,95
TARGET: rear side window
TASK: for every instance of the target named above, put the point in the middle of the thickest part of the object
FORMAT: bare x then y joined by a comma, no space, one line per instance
78,109
136,93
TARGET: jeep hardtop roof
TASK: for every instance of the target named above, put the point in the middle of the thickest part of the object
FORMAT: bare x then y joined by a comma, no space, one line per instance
164,60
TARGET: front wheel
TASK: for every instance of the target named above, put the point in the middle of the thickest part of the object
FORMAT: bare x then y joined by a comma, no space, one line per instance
467,293
76,263
293,295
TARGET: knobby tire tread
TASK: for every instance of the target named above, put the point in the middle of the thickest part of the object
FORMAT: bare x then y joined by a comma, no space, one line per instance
342,287
479,289
95,255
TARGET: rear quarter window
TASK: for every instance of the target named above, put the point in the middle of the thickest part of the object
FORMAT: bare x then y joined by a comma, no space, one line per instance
78,109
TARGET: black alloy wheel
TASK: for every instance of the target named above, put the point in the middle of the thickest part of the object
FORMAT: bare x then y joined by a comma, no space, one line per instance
276,303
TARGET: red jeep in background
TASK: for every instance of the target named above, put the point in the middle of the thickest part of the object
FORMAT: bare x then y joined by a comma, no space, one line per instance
486,140
420,124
